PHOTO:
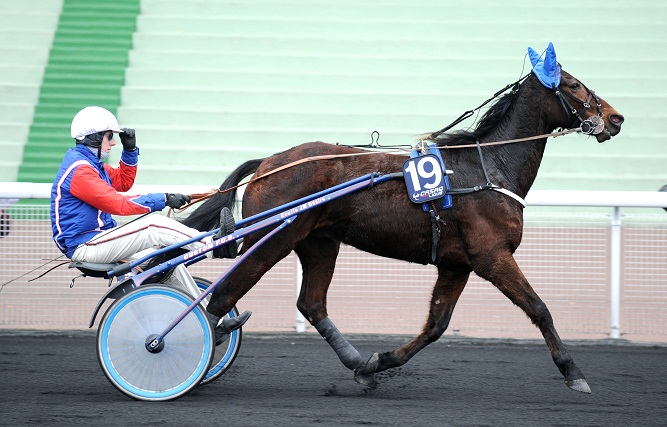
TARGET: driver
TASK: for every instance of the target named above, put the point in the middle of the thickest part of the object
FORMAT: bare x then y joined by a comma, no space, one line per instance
86,192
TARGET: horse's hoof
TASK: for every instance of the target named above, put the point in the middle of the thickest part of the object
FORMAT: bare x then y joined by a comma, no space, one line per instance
579,385
365,374
366,380
370,366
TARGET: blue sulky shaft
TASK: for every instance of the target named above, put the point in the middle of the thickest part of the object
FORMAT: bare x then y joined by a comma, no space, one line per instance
369,179
282,215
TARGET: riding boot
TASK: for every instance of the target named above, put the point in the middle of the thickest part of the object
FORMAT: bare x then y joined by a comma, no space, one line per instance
212,319
229,325
227,226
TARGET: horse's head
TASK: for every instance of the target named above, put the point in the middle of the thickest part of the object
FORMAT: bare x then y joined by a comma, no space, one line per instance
587,110
581,106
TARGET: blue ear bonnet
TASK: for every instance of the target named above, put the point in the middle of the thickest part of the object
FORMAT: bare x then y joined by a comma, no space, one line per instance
547,70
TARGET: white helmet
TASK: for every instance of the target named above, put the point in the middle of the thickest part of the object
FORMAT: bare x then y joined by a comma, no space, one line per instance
93,120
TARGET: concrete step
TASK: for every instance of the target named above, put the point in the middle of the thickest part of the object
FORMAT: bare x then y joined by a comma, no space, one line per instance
213,173
628,164
416,45
350,102
56,89
8,171
19,21
144,119
373,11
280,139
12,150
30,6
81,98
522,28
189,175
24,56
141,117
598,182
448,80
21,74
18,94
175,140
15,113
399,63
27,37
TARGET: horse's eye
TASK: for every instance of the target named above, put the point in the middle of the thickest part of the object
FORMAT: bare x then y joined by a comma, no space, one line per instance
575,86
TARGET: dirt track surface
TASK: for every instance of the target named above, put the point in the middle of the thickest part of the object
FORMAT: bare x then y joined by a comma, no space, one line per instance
289,380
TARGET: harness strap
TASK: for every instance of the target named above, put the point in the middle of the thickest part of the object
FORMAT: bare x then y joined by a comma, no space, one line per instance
493,187
435,232
510,194
481,159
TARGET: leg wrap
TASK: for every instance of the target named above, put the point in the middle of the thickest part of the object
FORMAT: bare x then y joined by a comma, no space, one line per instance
345,351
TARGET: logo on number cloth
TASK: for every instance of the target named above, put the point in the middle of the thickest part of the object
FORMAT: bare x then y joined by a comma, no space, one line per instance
426,195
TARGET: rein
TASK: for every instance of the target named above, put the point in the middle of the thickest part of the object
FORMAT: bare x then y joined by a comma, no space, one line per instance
200,197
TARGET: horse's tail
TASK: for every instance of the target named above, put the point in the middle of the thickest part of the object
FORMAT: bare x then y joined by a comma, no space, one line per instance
207,216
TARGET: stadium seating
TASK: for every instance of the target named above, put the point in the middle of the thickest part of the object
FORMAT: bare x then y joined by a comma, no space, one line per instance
26,30
86,67
211,83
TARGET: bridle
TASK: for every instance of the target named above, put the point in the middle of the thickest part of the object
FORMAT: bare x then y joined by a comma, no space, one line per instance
590,126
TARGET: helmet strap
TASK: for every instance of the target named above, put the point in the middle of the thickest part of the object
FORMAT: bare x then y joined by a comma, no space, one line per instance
93,140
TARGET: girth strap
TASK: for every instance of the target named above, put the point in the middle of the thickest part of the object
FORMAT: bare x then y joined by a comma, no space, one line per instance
435,232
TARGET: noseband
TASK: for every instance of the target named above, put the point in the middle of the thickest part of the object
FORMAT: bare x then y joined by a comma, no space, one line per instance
590,126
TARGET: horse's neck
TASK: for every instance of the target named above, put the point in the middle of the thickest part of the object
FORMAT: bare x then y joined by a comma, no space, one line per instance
515,165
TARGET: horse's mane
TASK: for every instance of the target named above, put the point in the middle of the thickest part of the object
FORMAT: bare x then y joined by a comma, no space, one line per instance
489,121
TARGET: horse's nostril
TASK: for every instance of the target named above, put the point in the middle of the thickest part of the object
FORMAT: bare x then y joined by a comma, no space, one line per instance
617,119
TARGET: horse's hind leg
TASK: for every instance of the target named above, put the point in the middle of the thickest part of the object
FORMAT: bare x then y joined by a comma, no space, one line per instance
318,259
445,295
506,275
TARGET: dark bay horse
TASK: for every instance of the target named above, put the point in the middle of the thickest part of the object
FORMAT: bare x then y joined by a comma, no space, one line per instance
478,234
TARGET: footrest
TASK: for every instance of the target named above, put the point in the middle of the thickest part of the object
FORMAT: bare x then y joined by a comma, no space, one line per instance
93,269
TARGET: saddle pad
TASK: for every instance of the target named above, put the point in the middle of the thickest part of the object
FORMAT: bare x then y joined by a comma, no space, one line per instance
447,201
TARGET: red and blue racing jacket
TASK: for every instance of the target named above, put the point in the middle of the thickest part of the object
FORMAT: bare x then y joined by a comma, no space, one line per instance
85,194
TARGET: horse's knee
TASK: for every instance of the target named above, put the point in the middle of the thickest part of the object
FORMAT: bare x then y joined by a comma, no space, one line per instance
540,314
312,313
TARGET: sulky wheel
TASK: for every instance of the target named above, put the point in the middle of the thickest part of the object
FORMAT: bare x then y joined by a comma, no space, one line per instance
176,366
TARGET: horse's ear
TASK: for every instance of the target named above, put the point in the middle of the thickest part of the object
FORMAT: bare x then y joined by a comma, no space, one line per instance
534,56
547,70
550,63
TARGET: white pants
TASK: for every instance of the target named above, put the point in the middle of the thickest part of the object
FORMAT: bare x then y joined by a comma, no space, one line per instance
134,240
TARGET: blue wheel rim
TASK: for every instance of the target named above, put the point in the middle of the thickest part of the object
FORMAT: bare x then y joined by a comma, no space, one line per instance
154,376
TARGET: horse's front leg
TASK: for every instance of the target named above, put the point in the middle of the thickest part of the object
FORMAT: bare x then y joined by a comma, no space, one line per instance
445,294
505,274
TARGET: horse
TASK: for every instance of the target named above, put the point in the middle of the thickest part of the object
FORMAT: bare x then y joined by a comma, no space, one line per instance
479,233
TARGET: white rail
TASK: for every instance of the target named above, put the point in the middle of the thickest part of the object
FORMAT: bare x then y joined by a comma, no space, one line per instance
610,199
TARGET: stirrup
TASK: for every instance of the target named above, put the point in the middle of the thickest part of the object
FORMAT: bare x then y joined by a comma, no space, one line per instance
227,226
